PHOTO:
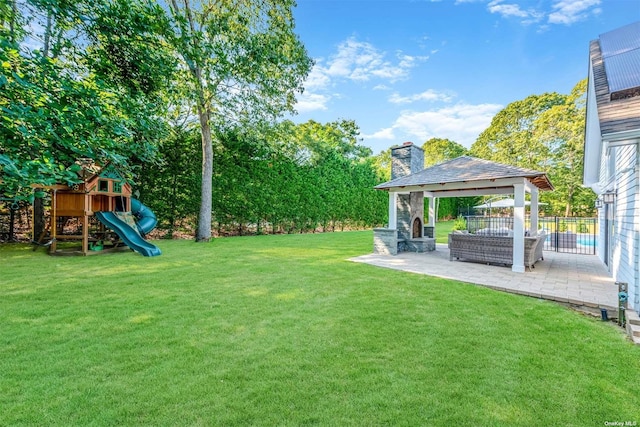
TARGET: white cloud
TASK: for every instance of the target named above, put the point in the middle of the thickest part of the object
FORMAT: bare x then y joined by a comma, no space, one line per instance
312,102
408,61
317,78
353,61
461,123
507,10
562,11
361,61
386,133
428,95
569,11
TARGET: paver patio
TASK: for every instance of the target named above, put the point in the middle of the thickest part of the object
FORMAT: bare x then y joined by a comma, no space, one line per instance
579,280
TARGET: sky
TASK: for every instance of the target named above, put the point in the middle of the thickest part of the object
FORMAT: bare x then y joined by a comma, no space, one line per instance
411,70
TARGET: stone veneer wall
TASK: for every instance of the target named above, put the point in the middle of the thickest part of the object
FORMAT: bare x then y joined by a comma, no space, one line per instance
385,241
403,216
405,160
420,245
429,231
416,210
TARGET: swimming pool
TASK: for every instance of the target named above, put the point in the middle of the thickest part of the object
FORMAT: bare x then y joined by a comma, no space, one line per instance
587,240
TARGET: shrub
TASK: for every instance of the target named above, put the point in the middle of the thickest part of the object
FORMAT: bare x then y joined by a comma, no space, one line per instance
460,223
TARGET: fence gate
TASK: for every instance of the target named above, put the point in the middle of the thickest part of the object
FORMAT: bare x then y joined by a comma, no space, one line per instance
570,234
564,234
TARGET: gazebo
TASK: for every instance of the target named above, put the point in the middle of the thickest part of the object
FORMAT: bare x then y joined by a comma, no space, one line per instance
461,177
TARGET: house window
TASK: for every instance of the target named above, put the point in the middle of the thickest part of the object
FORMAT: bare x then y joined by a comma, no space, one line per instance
103,185
117,187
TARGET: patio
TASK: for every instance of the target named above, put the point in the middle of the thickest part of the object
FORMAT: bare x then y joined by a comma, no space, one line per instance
578,280
463,176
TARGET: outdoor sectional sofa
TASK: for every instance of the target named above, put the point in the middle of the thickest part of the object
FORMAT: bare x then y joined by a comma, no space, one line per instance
494,249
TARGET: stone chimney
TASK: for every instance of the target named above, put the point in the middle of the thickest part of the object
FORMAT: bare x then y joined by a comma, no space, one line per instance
406,159
409,231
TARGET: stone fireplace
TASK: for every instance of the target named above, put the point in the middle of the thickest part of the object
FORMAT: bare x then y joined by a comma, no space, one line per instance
407,234
416,230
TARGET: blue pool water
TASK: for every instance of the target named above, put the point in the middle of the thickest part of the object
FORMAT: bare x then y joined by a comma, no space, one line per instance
582,239
587,240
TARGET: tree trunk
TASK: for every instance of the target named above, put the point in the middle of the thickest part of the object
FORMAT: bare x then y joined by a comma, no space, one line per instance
38,217
203,234
567,210
47,35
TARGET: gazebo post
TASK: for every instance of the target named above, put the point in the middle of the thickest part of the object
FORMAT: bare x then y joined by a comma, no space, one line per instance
518,228
432,211
534,211
393,209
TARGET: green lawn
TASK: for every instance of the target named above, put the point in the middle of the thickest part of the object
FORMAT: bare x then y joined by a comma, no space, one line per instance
282,330
443,228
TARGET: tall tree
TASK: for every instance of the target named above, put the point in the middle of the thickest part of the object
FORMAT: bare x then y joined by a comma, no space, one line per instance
242,64
543,132
310,142
511,138
382,164
561,128
438,150
74,95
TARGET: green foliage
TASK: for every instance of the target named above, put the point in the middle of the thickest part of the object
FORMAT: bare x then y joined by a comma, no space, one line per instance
511,138
438,150
544,132
242,64
127,48
460,223
382,164
168,185
291,178
57,106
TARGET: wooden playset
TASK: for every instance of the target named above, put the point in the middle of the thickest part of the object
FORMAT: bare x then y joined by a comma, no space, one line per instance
75,212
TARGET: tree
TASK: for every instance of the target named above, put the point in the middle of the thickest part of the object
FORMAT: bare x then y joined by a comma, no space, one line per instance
544,132
74,96
382,164
438,150
310,142
166,185
242,64
561,128
511,138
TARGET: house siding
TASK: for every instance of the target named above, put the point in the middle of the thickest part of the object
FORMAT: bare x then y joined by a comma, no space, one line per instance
602,173
625,246
612,159
601,248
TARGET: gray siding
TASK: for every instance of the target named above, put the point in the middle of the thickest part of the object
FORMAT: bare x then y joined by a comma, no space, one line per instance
625,243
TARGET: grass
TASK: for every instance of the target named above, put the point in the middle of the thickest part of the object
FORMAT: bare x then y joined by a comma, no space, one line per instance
443,228
282,330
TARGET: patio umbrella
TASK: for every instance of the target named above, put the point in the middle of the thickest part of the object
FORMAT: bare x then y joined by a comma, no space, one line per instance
502,203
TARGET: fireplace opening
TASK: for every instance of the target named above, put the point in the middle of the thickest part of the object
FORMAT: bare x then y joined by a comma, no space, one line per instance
417,228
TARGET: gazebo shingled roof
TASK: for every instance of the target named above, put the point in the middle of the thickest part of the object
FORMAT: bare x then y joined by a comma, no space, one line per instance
467,169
